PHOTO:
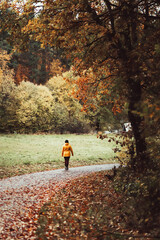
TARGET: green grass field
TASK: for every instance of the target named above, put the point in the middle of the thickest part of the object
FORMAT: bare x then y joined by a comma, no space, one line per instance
20,154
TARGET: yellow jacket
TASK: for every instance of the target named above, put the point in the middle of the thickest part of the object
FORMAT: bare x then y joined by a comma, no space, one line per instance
67,150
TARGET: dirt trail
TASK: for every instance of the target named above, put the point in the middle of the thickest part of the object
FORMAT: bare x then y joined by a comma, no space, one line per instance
21,197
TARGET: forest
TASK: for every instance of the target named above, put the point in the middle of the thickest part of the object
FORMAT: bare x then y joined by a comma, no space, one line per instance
83,66
38,94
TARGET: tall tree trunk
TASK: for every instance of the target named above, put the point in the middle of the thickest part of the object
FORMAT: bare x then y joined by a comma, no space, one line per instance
132,65
138,126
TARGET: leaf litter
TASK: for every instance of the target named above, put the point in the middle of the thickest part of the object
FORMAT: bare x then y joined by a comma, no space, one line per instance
22,197
84,208
20,208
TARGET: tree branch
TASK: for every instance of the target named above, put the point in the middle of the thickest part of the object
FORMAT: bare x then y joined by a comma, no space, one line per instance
93,13
111,15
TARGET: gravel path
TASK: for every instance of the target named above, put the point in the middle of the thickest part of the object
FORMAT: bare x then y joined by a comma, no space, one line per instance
21,197
40,178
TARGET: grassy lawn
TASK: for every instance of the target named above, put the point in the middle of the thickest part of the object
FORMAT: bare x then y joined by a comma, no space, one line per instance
20,154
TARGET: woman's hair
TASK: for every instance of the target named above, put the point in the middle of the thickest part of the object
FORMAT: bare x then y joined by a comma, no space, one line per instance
66,141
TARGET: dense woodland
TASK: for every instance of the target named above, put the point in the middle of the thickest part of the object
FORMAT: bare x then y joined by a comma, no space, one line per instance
103,57
41,73
28,107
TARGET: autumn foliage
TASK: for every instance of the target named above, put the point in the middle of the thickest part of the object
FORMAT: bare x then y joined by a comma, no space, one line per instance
114,48
90,207
117,39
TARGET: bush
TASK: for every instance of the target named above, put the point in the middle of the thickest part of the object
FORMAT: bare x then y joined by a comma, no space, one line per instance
68,116
35,109
141,197
25,108
8,105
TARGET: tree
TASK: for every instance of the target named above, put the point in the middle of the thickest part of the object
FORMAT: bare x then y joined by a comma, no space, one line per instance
117,35
25,108
4,59
69,116
35,107
8,101
96,99
29,61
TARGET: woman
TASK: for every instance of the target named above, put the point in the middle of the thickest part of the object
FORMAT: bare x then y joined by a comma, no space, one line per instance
66,153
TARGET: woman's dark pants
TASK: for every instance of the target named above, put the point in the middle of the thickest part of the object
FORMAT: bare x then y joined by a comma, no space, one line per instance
66,162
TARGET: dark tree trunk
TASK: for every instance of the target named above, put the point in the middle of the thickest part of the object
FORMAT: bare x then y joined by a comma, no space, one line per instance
97,124
138,126
131,64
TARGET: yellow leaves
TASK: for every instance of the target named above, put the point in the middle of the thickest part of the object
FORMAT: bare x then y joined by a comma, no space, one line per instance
31,26
56,68
147,219
4,70
151,115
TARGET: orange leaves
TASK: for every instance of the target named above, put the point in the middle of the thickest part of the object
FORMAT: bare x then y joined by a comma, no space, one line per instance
95,87
90,86
20,210
87,208
21,74
117,108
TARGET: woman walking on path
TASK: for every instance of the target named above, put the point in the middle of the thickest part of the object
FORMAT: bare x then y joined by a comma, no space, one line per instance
66,153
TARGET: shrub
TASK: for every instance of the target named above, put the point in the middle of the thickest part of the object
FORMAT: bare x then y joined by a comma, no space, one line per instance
141,198
35,108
